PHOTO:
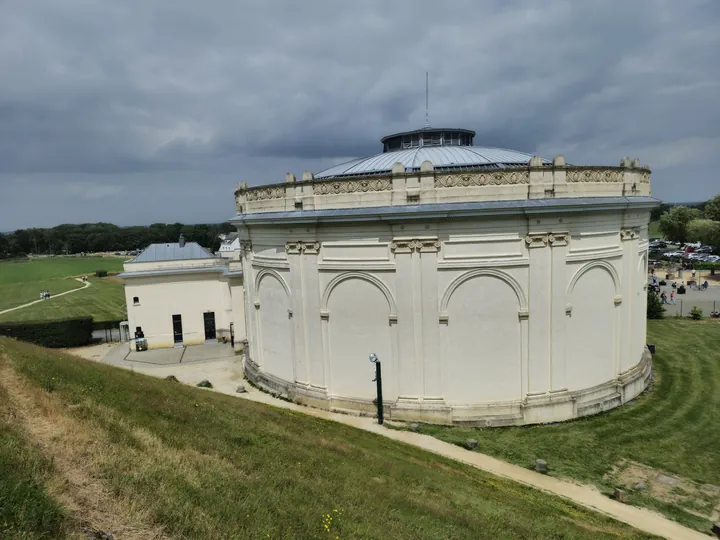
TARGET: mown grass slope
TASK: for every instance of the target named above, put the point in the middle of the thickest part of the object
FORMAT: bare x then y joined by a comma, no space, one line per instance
194,464
673,428
21,282
104,300
26,509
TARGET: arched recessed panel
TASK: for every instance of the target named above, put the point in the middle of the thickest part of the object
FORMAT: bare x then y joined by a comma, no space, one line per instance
357,326
591,330
482,342
275,328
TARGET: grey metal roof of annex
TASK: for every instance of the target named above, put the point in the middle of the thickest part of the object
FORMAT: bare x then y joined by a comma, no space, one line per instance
173,252
442,157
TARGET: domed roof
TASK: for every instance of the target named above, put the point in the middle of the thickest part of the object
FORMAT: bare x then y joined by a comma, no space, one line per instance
446,149
442,158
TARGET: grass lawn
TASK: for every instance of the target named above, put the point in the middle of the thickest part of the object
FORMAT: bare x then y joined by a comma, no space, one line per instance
654,230
159,456
104,300
21,282
672,429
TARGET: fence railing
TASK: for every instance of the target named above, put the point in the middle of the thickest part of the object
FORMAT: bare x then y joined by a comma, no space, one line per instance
683,306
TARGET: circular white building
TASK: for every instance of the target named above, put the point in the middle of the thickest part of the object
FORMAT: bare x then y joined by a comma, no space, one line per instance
496,287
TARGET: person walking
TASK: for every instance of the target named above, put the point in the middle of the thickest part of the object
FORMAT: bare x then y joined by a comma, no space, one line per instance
672,297
693,273
663,296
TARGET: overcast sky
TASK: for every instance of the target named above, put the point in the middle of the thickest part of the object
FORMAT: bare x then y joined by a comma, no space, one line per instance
139,111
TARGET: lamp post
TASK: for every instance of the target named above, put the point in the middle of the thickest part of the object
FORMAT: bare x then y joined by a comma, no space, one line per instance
378,381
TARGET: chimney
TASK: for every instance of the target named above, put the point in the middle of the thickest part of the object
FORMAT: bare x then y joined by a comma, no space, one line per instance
182,241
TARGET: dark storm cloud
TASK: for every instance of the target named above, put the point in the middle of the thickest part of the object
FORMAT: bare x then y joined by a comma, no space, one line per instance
142,110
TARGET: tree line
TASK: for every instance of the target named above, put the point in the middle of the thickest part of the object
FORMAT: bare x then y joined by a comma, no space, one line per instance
693,224
104,237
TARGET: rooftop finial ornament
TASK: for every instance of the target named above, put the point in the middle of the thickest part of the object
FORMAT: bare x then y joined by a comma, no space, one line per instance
427,119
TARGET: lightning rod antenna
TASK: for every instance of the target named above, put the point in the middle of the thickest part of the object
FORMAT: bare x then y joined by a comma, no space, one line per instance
427,121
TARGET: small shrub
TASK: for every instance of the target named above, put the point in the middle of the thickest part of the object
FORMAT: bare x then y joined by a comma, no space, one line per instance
696,313
681,289
655,310
101,273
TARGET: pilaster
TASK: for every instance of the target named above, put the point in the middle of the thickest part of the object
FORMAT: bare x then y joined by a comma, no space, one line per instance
312,323
539,302
294,250
250,292
430,332
405,278
630,239
558,316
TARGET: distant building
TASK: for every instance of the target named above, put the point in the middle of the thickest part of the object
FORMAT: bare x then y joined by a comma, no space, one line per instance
180,294
230,246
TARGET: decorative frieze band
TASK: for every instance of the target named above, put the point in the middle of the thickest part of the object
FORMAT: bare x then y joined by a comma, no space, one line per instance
408,245
352,186
538,240
295,248
497,178
271,192
595,175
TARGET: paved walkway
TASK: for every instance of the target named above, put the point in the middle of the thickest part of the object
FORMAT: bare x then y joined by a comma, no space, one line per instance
226,373
85,286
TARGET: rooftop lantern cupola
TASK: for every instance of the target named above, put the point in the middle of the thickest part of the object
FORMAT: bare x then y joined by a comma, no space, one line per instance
427,136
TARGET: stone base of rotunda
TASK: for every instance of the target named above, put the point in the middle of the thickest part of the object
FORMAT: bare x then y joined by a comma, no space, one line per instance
534,409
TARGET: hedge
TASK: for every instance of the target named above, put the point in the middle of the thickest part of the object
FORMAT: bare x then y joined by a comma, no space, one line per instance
53,334
106,325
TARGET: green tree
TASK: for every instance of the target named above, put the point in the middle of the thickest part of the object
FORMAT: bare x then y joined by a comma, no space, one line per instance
706,231
674,223
655,309
712,208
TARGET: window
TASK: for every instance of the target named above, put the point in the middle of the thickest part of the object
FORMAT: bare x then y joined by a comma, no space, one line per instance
136,300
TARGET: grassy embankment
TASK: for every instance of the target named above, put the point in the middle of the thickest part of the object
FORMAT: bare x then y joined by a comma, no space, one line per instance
21,282
673,429
159,457
654,230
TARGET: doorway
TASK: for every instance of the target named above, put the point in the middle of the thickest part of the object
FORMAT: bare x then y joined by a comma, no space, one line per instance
177,329
209,319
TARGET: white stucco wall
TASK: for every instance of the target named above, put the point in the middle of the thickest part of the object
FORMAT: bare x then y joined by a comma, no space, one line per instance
189,295
502,320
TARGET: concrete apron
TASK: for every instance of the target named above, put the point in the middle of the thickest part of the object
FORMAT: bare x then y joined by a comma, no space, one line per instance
227,374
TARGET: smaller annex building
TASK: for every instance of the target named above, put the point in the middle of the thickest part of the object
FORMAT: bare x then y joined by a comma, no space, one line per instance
179,294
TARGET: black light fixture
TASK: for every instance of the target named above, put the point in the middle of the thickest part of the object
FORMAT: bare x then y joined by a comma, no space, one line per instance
378,381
